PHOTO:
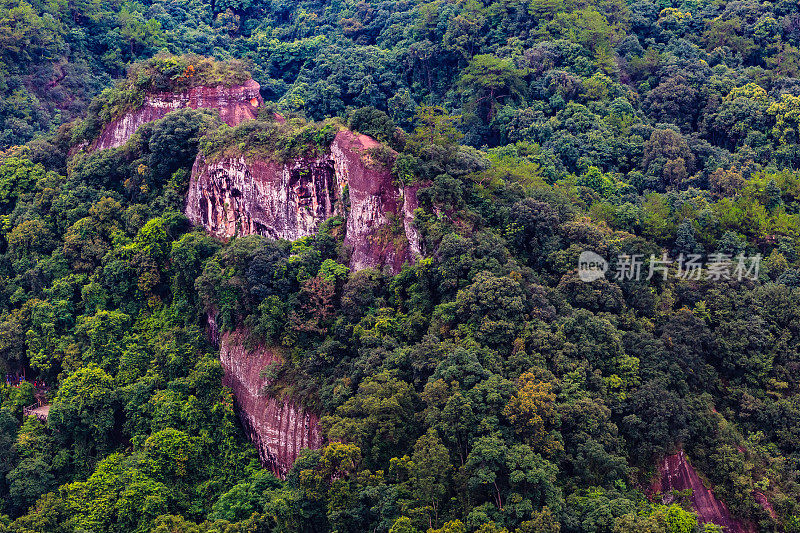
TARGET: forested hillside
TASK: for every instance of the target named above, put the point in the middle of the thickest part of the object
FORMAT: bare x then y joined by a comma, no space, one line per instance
485,386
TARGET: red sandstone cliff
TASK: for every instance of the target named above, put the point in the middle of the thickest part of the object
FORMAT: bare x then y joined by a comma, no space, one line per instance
279,430
235,104
375,203
282,201
290,200
677,474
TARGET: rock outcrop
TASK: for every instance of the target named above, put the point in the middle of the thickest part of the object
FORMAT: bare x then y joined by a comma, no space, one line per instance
279,430
282,201
235,104
289,200
676,474
376,205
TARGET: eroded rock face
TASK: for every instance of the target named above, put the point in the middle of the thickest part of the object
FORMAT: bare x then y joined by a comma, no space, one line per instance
282,201
290,200
376,205
678,474
279,431
235,104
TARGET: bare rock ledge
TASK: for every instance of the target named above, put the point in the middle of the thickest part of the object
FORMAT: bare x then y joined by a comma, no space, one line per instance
676,473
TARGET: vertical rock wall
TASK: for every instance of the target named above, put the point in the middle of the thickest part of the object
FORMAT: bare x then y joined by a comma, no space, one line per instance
282,201
379,231
290,200
280,431
234,196
237,196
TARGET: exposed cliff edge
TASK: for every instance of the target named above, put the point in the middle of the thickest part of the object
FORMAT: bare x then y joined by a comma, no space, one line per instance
290,199
235,104
376,204
677,474
279,430
283,201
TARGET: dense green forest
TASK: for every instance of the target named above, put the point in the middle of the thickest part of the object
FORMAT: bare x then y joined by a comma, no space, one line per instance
484,388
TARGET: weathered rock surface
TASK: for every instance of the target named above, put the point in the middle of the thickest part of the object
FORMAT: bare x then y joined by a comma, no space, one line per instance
238,196
677,474
376,204
235,104
282,201
279,430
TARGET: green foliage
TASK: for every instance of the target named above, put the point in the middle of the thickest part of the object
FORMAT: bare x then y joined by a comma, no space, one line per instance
332,271
271,140
483,388
375,123
488,80
377,417
17,177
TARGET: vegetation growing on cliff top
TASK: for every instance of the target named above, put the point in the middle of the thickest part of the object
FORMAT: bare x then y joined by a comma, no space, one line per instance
161,73
485,388
271,137
171,73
